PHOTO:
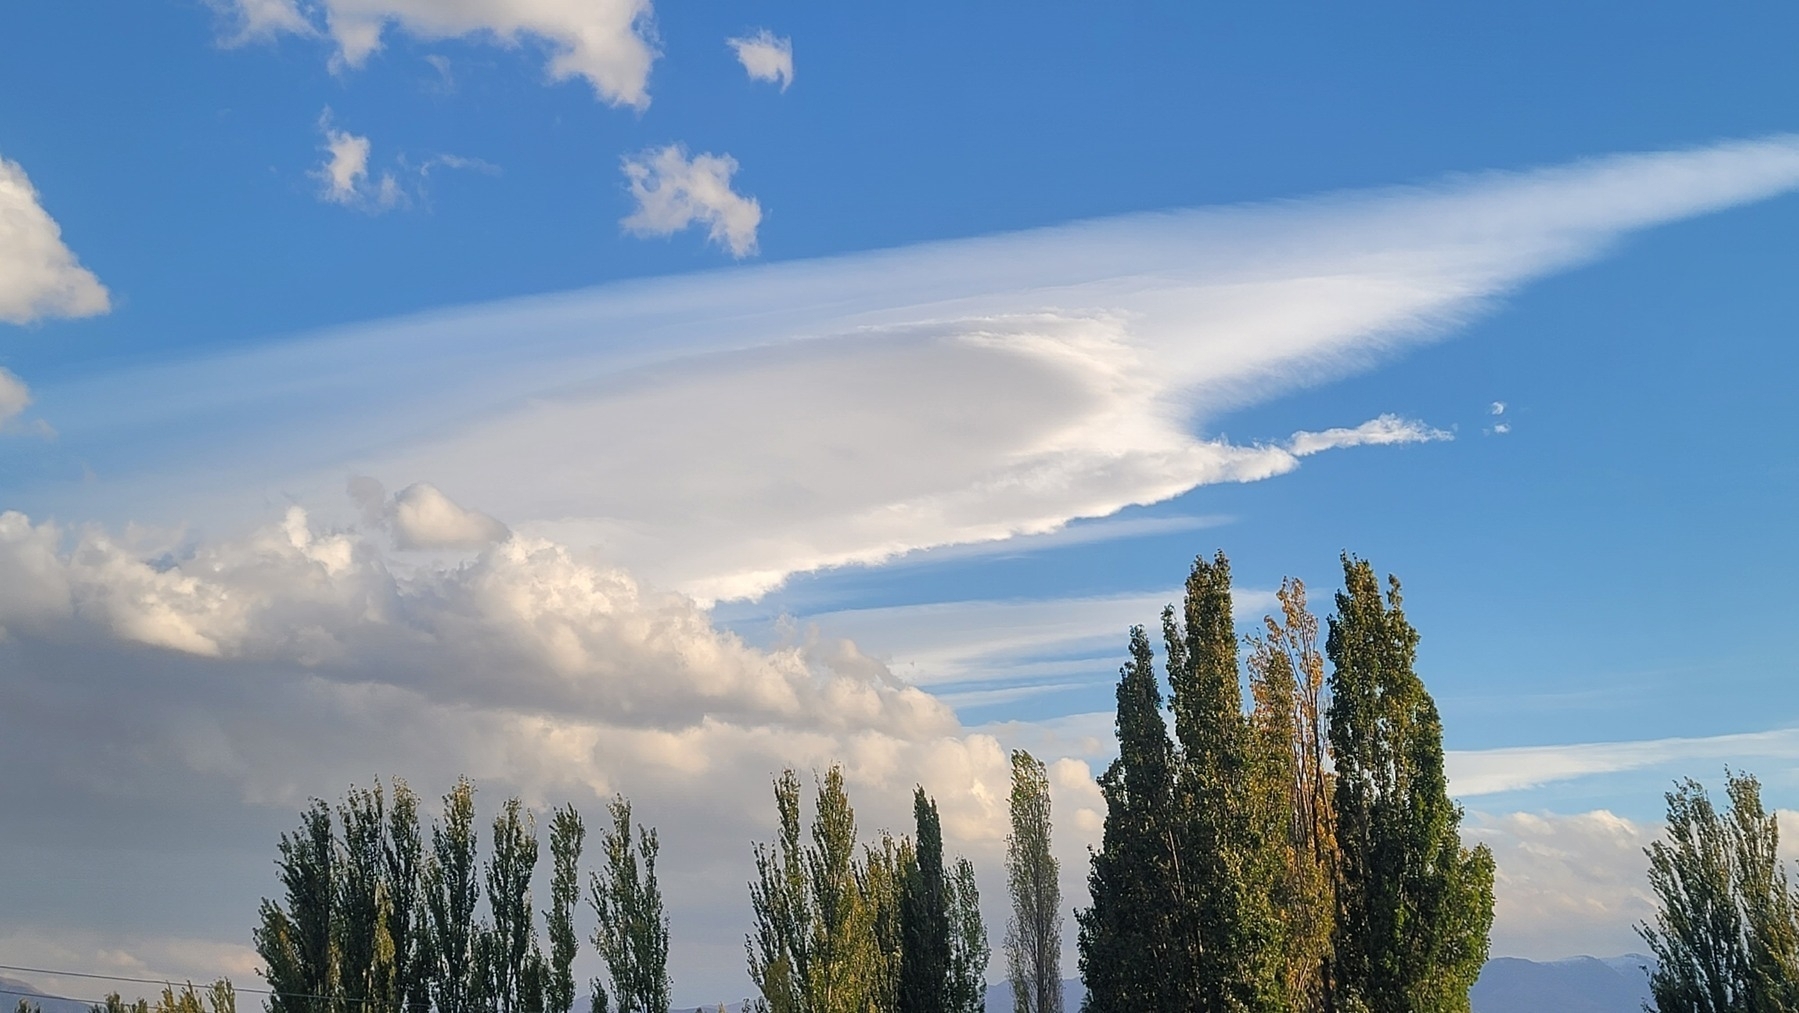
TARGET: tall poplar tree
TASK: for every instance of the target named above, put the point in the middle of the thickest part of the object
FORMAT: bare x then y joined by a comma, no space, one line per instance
1127,935
453,889
969,952
566,836
365,950
632,936
403,857
1034,934
1726,929
1413,905
295,940
1291,757
815,947
512,947
924,916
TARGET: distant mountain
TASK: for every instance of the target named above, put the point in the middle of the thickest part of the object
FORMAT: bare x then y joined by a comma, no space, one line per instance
1576,985
1507,985
12,990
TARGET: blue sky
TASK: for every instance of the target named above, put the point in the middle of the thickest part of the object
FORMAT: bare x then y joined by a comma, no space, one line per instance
911,375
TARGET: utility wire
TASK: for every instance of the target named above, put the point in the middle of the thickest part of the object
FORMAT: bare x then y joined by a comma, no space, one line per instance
167,983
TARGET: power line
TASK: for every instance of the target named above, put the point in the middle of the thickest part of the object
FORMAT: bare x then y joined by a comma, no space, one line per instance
165,982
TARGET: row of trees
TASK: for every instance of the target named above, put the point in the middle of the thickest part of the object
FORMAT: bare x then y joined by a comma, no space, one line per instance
375,920
1298,855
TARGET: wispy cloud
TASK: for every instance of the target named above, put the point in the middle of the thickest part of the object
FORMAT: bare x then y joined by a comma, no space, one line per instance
607,43
1381,431
675,192
765,56
39,276
1479,772
15,397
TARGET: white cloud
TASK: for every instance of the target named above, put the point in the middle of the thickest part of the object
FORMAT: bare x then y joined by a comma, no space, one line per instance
1478,772
15,397
39,276
765,56
608,43
674,192
1381,431
1501,428
1498,408
719,432
942,643
243,675
1565,883
422,517
345,172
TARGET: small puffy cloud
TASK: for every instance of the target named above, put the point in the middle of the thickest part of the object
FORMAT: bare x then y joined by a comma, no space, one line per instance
765,56
1498,408
422,517
15,397
674,192
1381,431
345,172
425,518
255,20
39,276
608,43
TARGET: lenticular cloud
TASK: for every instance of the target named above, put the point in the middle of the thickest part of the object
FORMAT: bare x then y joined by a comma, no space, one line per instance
720,432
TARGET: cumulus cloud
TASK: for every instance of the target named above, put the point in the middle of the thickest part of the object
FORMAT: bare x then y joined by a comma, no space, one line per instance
718,433
242,675
765,56
345,172
1380,431
607,43
39,276
1565,883
420,516
674,192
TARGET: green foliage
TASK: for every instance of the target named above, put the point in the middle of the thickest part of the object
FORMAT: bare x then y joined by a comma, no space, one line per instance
512,944
359,930
924,917
295,940
1414,906
1127,935
966,991
1292,774
403,856
566,836
1726,935
1034,935
452,891
632,937
822,941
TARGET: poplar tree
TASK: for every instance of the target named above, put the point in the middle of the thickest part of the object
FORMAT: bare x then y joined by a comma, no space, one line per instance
1726,931
883,871
632,936
1127,955
566,836
365,950
452,891
403,857
924,917
512,946
966,991
1413,905
1034,934
1286,680
815,947
295,940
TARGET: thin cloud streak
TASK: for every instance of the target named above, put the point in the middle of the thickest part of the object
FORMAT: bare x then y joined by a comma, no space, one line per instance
1473,773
